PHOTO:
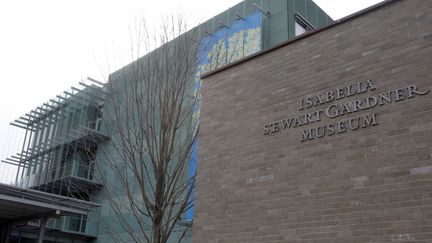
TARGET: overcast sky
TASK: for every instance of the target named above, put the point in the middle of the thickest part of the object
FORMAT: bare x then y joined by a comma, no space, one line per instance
46,46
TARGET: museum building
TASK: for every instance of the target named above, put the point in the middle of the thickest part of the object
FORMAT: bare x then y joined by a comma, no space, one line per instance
59,178
323,138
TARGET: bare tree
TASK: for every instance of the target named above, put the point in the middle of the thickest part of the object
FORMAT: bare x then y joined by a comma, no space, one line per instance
150,115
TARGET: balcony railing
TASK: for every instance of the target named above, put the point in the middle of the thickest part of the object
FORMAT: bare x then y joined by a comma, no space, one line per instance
75,223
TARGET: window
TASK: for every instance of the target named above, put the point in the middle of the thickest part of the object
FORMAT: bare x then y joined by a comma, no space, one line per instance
299,29
301,25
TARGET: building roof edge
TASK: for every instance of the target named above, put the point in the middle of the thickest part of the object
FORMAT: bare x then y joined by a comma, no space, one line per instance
303,36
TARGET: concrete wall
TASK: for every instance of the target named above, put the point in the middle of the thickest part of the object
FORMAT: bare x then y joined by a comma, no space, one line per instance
371,184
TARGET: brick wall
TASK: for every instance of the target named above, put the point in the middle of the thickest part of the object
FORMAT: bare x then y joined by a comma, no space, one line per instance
372,184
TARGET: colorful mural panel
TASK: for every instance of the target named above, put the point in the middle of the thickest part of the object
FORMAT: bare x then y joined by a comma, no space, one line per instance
229,44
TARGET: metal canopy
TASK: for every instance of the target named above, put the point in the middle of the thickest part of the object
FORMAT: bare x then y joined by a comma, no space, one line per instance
81,137
20,204
48,119
78,96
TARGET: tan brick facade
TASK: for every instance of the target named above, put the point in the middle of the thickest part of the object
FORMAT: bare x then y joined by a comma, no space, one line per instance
369,184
